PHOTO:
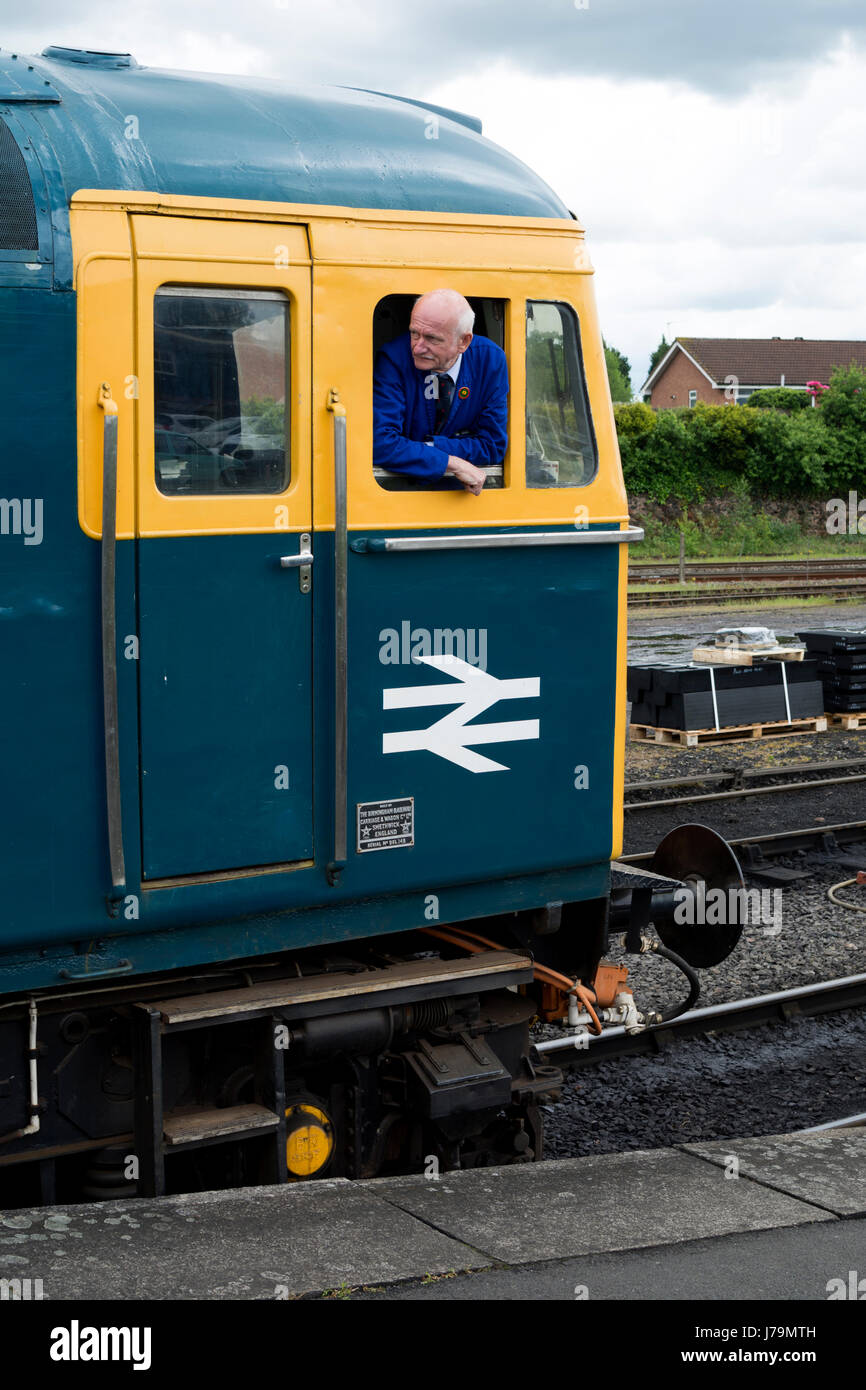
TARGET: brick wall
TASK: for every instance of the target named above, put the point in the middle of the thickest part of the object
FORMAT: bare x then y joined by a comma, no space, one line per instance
679,377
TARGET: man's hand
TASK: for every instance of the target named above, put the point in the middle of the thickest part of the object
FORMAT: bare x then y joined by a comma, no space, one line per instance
472,478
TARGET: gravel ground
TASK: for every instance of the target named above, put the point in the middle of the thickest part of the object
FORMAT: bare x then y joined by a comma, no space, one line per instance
769,1080
778,1077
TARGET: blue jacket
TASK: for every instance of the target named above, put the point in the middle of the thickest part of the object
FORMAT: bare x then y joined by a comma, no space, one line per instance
477,424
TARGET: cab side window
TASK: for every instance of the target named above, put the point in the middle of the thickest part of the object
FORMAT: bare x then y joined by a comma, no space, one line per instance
560,443
220,391
390,324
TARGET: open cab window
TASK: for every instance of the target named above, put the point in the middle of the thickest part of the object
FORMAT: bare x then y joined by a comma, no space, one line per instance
390,323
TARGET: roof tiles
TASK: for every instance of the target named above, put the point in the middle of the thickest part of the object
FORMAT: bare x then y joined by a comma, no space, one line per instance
763,361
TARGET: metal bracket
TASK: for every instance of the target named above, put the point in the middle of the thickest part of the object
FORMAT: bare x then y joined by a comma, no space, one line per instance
302,562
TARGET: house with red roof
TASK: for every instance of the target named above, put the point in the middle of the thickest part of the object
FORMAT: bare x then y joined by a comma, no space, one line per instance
727,370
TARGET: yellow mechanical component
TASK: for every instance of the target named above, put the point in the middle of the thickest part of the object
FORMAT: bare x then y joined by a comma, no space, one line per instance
309,1140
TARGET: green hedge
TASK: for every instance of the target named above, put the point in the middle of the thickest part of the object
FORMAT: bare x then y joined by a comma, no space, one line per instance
780,398
684,455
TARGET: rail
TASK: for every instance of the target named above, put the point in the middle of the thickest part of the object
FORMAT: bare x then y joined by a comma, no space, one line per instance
827,996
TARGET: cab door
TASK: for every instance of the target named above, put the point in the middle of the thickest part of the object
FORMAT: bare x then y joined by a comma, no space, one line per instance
224,544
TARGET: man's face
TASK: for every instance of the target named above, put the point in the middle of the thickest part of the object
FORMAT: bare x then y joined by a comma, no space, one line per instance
434,339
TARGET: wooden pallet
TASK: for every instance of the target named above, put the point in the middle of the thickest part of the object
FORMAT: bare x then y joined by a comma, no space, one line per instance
745,656
848,721
733,733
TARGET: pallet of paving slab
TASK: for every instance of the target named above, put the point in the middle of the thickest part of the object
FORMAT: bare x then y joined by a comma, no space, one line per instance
734,733
847,721
745,656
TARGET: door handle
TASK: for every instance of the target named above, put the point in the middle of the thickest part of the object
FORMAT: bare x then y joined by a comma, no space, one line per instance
301,562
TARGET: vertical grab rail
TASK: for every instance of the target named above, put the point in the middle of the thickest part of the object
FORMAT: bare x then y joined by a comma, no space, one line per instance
109,637
341,655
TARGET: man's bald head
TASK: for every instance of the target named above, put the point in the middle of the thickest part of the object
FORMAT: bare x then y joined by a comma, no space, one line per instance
440,329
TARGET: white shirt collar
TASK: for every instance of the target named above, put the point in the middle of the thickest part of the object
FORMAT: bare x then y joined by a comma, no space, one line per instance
454,370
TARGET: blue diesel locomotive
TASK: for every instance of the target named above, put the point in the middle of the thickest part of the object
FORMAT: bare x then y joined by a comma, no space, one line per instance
312,773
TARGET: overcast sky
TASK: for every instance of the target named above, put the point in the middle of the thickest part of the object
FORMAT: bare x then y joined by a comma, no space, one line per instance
715,150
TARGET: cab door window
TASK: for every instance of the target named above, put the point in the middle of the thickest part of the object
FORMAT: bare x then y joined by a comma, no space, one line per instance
220,391
560,443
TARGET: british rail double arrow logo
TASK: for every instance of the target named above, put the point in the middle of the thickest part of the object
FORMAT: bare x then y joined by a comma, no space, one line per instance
451,735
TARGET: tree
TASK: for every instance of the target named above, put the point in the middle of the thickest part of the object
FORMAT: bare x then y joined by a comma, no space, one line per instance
843,402
663,347
618,374
842,409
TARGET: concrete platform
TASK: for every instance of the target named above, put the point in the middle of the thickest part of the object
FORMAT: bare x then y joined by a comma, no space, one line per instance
828,1170
619,1211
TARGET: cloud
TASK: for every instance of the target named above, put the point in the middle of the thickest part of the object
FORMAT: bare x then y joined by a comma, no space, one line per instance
716,152
721,48
705,214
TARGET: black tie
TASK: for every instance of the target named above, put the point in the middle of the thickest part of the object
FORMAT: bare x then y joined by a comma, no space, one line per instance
446,395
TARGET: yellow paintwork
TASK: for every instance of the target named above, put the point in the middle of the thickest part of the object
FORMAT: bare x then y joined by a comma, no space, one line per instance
353,258
335,264
188,251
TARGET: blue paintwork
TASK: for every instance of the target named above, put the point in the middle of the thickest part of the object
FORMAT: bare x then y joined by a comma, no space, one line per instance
316,145
52,819
530,822
249,658
250,934
225,682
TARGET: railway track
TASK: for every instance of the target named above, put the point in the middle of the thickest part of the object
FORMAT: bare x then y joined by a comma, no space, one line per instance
847,1122
714,573
823,838
828,996
826,588
741,783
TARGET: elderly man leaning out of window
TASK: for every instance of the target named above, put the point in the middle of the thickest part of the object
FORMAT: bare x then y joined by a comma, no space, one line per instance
440,396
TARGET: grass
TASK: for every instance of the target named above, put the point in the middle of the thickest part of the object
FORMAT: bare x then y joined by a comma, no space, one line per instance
827,553
748,534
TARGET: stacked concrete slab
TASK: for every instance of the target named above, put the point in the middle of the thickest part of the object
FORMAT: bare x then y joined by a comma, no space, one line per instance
840,657
699,697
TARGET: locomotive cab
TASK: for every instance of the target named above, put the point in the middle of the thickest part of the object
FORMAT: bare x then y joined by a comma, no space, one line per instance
336,759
